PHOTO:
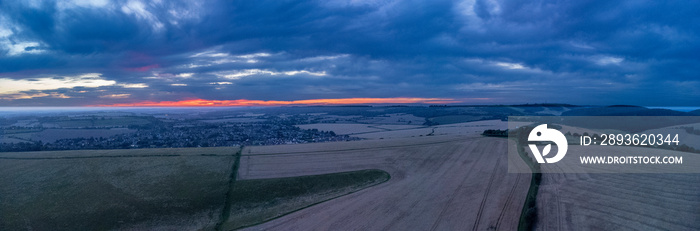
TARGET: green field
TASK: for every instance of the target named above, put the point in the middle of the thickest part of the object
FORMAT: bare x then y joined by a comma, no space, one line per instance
109,193
146,189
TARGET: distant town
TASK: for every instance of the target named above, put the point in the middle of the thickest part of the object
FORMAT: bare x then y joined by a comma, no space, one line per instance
216,127
146,131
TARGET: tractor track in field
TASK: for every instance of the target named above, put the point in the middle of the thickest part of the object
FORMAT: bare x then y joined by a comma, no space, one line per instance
510,197
486,194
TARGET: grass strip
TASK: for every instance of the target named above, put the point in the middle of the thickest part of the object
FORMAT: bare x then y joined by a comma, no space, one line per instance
261,200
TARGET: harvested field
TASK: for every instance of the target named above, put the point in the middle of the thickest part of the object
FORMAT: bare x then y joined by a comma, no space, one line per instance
437,183
690,139
397,127
453,119
473,129
396,118
619,202
553,111
389,131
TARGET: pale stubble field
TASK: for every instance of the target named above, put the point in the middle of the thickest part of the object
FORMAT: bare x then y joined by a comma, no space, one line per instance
437,183
622,201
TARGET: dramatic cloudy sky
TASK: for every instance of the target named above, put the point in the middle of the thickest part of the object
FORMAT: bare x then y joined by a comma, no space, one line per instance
169,53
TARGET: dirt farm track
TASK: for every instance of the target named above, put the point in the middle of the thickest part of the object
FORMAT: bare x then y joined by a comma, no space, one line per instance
437,183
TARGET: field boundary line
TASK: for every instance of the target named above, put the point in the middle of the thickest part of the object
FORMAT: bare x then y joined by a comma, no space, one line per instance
226,210
353,149
531,197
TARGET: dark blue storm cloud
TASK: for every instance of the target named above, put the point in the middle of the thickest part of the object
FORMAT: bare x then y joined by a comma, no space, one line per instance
475,51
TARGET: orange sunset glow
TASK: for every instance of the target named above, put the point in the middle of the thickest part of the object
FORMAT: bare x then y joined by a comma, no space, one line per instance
245,102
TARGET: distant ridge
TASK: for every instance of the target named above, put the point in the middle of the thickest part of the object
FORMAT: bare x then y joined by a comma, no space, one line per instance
350,105
626,106
512,105
625,110
545,105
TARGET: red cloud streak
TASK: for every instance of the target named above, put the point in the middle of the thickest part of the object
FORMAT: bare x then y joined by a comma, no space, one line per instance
245,102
